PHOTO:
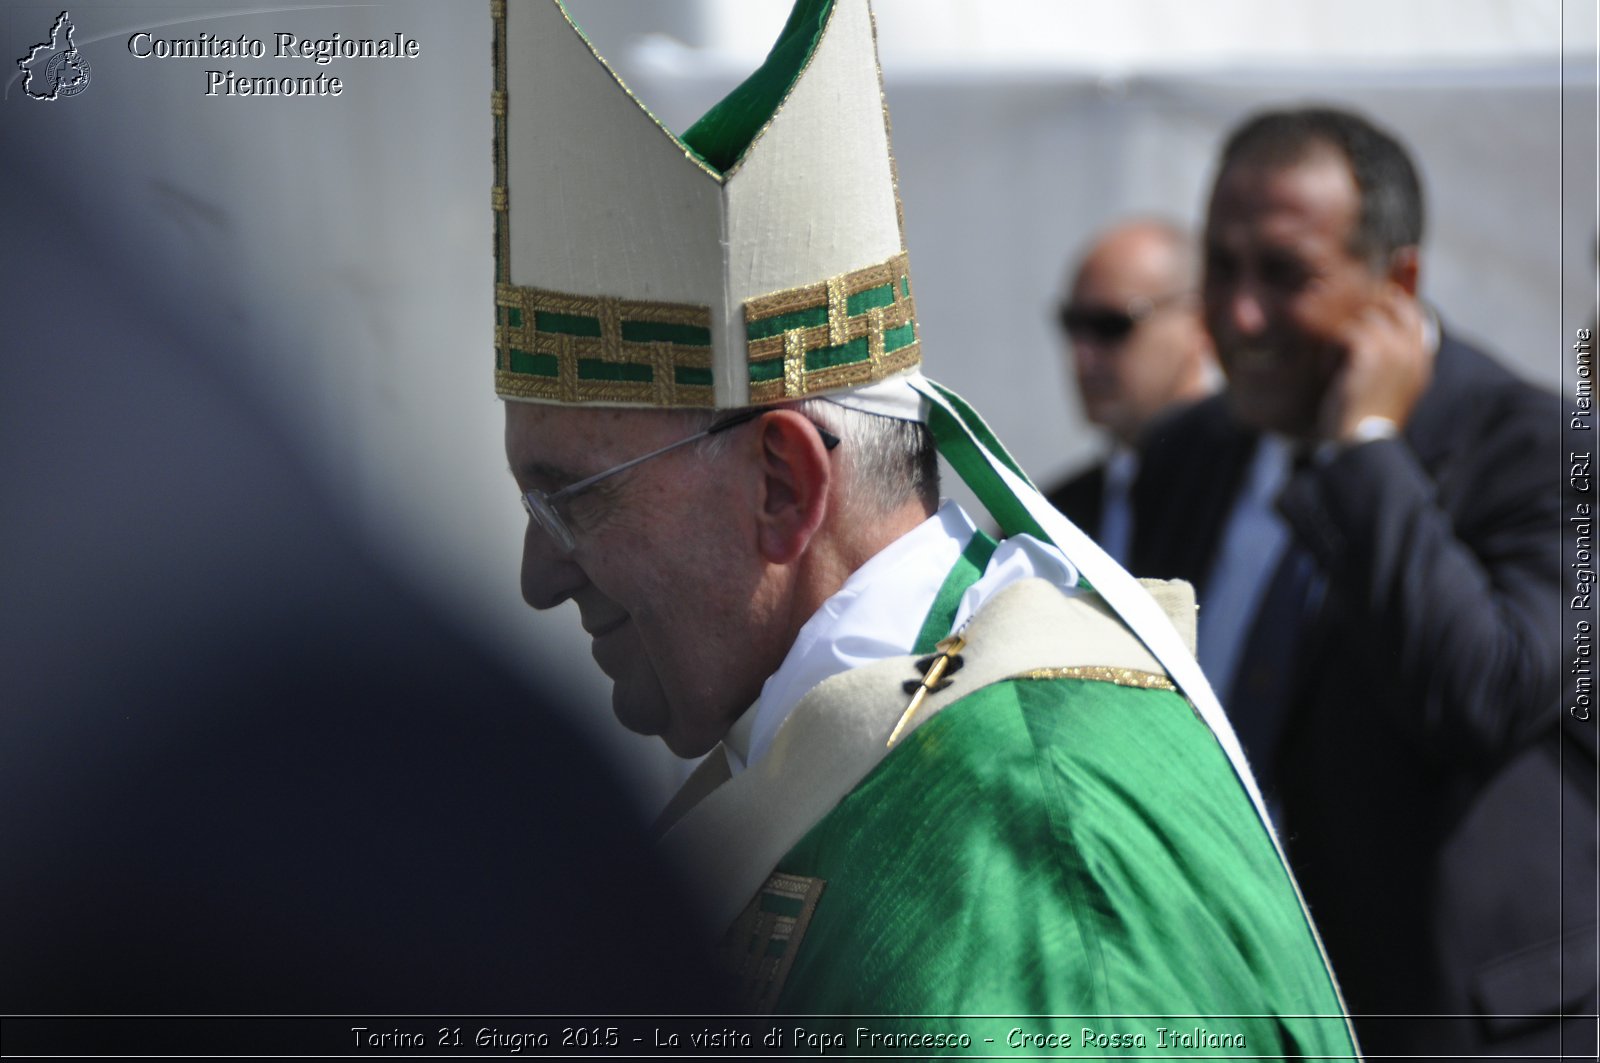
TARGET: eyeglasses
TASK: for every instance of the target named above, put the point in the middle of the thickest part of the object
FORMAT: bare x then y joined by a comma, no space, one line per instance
542,507
1107,326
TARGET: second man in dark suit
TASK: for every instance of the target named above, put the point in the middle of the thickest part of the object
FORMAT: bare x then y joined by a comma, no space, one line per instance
1132,315
1371,515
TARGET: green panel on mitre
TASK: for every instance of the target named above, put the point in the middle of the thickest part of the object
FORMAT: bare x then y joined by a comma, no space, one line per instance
723,133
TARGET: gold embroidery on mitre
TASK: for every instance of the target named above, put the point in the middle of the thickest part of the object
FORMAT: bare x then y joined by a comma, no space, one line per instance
888,130
875,342
661,373
838,316
598,363
558,347
1122,677
499,195
759,949
794,363
497,14
781,354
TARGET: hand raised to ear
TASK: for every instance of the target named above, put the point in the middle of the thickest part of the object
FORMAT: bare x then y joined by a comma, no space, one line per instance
1386,367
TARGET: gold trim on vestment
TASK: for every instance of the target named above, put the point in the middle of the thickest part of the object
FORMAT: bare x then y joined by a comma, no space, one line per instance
1122,677
759,948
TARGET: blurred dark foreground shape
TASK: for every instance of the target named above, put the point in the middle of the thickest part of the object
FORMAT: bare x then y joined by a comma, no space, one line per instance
242,770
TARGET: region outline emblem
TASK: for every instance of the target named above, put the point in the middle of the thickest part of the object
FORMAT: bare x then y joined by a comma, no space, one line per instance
65,72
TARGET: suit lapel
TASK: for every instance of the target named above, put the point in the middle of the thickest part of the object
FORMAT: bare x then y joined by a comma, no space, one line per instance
1180,501
1082,499
1438,416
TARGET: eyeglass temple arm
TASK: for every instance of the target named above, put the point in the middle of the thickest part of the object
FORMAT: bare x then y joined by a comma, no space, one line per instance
590,481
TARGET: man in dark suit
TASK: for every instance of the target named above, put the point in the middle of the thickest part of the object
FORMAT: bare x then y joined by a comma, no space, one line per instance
1132,316
1371,514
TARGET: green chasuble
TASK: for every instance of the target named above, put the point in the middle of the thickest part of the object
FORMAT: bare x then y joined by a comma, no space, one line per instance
1055,857
1065,847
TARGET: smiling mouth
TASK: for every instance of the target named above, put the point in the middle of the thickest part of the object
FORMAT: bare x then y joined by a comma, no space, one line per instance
1254,359
606,628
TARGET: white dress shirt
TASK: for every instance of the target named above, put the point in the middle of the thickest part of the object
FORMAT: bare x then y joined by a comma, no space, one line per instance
1252,545
1116,503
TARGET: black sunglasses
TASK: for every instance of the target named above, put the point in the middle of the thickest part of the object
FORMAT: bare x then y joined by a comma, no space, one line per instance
1107,325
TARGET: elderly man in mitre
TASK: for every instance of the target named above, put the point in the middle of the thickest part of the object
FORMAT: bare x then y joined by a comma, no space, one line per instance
946,774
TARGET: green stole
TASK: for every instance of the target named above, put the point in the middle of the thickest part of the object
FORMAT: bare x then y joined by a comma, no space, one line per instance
967,570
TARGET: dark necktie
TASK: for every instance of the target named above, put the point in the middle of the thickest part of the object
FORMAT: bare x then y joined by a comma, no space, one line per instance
1258,704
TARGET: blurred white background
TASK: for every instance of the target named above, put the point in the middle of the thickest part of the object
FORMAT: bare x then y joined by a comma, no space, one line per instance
339,247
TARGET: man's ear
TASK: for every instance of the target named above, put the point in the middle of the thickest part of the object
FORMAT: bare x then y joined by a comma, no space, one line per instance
796,485
1405,266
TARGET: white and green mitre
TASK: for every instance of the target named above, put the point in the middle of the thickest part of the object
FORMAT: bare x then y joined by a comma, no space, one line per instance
756,259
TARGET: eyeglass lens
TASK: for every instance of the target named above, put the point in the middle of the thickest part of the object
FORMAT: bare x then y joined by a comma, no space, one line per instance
1096,324
543,512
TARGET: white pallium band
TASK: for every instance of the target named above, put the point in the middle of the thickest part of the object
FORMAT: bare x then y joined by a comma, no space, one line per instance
1129,600
1145,618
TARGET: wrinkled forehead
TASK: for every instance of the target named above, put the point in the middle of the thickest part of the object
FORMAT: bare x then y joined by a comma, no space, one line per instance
546,438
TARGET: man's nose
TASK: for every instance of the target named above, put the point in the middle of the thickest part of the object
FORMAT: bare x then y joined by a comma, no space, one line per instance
1090,356
1244,310
549,577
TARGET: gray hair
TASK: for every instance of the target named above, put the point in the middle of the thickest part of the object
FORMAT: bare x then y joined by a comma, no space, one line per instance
887,462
